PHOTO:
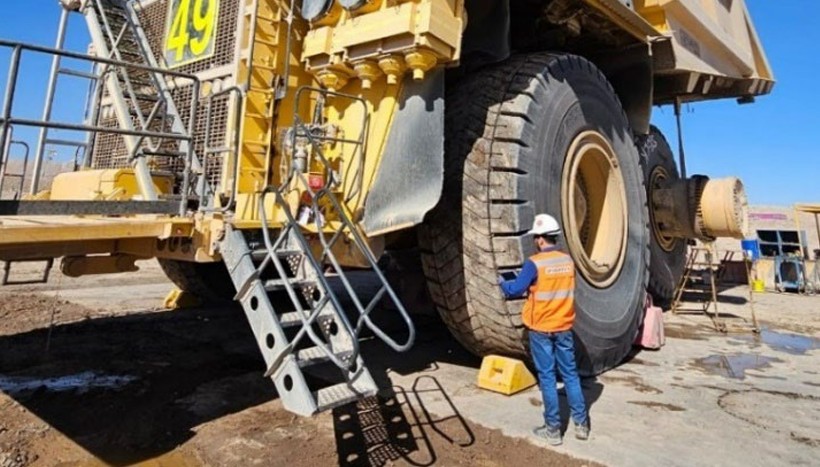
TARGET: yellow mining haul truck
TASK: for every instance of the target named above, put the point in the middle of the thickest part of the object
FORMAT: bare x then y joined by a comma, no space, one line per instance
262,147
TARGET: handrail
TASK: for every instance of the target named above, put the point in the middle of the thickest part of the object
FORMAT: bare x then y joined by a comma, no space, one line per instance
364,312
234,149
186,135
307,320
94,59
4,161
302,131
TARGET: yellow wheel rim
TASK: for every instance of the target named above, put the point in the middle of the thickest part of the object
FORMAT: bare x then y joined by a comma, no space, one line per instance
594,208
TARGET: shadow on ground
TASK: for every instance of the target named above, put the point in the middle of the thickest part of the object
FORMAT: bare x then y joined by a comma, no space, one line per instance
181,369
379,430
399,425
184,368
169,355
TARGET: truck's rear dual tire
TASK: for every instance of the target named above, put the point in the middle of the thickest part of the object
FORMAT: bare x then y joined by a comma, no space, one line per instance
513,136
667,255
210,282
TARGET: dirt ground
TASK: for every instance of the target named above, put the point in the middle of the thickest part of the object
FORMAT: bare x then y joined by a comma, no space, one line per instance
92,372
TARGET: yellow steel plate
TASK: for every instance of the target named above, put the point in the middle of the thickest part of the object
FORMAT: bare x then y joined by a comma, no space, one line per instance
35,229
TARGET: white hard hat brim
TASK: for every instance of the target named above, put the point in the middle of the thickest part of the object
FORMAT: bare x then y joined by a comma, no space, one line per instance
544,232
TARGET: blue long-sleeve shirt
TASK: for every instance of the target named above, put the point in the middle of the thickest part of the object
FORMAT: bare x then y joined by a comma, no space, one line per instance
518,287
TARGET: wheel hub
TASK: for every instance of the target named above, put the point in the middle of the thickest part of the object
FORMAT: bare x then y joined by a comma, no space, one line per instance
657,179
594,208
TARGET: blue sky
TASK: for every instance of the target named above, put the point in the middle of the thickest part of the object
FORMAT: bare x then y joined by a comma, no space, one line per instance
773,145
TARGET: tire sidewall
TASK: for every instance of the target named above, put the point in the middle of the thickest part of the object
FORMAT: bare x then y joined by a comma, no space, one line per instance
665,267
605,318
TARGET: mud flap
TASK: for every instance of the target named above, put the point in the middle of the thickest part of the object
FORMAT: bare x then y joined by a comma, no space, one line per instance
411,174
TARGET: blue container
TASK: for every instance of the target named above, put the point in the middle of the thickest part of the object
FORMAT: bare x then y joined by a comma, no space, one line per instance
751,248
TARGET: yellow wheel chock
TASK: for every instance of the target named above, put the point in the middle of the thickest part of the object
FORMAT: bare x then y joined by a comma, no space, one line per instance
505,375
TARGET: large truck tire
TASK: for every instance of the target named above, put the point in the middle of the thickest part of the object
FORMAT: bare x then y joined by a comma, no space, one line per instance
667,255
520,136
210,282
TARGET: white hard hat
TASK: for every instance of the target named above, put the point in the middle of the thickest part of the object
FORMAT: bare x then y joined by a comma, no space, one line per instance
545,224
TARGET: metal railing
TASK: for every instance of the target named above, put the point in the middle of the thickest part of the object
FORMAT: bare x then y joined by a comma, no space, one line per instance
231,148
325,199
4,164
92,126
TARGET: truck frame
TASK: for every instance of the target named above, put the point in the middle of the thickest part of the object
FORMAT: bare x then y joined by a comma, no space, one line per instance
262,148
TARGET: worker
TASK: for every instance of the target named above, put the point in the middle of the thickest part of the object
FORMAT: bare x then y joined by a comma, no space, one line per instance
549,279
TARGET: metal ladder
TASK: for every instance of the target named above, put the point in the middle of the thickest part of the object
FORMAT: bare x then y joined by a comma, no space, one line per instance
704,261
142,99
314,329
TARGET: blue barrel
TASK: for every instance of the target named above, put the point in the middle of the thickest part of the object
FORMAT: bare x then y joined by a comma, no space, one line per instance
751,248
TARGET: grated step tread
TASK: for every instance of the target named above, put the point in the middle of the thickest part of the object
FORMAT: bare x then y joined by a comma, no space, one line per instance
315,355
341,394
274,285
259,255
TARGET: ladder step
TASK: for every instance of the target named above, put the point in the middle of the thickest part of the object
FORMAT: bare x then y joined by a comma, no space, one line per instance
147,97
258,115
257,90
341,394
279,284
263,66
259,255
286,253
266,42
290,319
315,355
256,143
249,12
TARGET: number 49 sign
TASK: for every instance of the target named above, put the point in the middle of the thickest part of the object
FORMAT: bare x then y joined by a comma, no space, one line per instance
190,31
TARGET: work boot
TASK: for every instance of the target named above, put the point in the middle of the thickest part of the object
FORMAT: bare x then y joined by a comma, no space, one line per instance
552,435
582,431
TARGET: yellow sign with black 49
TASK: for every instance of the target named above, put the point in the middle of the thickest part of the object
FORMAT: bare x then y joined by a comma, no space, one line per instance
190,31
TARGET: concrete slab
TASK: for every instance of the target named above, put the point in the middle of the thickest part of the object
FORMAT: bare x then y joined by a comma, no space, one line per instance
705,399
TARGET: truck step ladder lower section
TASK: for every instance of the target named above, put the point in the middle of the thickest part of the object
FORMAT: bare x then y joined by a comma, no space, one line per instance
285,328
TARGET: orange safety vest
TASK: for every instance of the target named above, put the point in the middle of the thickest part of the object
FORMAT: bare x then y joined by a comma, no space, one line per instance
550,306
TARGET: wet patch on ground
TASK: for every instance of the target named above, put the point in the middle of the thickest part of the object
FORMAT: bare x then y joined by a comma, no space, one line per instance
794,344
638,361
536,402
681,386
732,366
79,383
684,332
777,378
795,415
658,405
634,381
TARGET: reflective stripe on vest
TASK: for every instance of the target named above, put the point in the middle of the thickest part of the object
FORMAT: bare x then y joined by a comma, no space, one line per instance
554,295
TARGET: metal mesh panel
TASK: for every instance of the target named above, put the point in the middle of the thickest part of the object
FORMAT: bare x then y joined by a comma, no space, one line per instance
109,149
219,123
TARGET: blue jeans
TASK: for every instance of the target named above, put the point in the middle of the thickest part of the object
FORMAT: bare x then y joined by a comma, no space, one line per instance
549,349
